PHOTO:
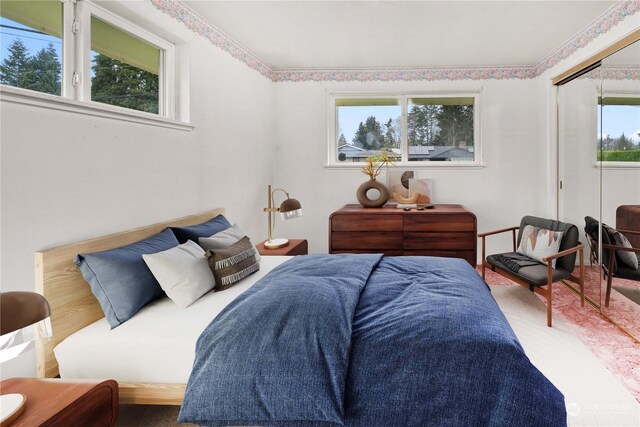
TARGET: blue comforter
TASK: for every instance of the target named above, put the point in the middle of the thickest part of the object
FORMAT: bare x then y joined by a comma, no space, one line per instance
366,340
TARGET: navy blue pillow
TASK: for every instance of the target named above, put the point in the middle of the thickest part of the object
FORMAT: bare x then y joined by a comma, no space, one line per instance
206,229
121,280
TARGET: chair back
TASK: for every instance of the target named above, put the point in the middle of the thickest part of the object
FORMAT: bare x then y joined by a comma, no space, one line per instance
570,237
591,226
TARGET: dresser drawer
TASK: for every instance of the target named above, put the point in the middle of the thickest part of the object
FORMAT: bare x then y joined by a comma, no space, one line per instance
371,241
386,252
426,222
469,256
439,240
370,222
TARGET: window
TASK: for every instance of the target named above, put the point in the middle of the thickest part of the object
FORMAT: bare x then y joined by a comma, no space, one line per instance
619,129
31,54
414,129
125,70
108,59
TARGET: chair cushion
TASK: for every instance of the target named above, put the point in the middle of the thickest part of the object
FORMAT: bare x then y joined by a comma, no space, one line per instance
570,238
626,272
539,243
535,274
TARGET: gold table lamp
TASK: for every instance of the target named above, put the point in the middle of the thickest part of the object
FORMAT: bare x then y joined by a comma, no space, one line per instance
289,208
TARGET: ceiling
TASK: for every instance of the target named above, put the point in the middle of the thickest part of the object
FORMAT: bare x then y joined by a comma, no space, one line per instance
396,34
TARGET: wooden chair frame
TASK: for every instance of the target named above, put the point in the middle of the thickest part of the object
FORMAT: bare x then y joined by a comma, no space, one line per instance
612,256
546,293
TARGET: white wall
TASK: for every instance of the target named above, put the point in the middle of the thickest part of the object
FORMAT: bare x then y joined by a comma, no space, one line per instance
66,177
513,183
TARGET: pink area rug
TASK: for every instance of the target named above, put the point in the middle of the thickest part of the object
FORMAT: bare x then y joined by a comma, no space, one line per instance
615,349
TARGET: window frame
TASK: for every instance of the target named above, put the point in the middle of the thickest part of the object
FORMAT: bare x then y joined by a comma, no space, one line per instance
76,57
609,164
403,97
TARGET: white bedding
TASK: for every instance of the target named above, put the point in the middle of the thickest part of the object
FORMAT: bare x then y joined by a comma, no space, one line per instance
157,345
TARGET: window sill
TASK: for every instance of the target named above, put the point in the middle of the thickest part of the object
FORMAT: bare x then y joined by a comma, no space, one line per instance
43,100
412,166
616,165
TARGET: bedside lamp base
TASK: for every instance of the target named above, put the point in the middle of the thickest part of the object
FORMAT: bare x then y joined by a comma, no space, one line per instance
276,243
12,406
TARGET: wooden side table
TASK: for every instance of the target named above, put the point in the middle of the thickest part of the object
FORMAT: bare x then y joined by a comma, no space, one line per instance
55,402
295,247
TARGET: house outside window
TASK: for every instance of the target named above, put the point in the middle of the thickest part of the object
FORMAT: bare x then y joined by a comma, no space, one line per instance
429,130
83,52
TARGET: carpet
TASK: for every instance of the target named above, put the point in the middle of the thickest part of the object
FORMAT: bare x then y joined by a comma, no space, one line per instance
618,352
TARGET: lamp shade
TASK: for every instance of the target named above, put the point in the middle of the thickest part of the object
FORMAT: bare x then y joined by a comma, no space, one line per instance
21,309
290,208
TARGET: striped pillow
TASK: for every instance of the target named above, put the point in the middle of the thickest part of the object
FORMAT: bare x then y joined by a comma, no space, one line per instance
233,263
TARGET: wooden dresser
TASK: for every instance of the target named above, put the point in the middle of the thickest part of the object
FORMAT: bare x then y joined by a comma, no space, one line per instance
445,230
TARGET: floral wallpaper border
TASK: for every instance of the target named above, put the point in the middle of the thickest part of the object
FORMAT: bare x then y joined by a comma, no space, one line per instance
613,73
608,20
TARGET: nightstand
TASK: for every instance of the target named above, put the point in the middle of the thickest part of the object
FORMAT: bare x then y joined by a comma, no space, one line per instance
295,247
55,402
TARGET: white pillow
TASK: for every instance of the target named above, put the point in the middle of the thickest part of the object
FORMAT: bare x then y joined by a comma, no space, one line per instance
539,243
183,272
224,239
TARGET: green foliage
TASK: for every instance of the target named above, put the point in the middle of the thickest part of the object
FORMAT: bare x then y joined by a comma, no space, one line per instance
342,140
371,136
391,134
620,143
455,123
118,83
45,71
620,156
422,124
41,72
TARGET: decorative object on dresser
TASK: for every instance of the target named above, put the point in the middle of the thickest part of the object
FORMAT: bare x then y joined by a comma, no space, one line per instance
19,311
290,208
295,247
372,170
444,230
398,184
422,187
54,402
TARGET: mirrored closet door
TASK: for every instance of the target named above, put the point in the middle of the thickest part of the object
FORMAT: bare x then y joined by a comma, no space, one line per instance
579,180
619,160
599,179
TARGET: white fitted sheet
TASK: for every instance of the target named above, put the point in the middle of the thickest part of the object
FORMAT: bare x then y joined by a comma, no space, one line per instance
157,345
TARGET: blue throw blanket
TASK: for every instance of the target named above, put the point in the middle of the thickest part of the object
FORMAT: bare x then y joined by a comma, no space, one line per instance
362,340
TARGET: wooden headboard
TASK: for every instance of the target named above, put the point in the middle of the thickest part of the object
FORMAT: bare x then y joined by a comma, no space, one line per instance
73,306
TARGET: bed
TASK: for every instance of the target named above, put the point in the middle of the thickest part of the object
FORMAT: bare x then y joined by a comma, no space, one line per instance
333,339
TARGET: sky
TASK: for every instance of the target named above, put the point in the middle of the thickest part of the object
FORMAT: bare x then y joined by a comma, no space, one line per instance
33,41
616,120
622,118
350,117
